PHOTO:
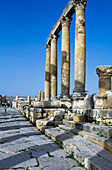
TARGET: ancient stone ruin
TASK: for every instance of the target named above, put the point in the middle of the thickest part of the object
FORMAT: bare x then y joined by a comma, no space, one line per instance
88,116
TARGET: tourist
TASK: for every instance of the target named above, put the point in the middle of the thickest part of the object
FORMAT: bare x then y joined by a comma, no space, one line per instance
5,107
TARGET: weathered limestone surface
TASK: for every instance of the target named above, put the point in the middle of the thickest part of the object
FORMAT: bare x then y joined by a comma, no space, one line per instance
104,73
39,95
54,67
100,101
47,104
67,12
89,102
109,99
80,48
22,146
42,96
86,152
65,68
47,72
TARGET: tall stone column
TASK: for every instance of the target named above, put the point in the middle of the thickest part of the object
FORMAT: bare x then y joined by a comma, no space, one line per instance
53,67
65,52
47,73
80,49
104,73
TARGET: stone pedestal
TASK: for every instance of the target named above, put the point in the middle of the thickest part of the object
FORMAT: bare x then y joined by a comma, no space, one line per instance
65,67
100,101
78,103
47,73
53,67
104,73
80,49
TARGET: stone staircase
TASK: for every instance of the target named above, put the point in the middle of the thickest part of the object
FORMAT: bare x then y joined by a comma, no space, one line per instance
88,143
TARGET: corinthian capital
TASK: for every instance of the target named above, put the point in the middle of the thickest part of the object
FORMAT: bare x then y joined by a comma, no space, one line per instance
65,21
79,4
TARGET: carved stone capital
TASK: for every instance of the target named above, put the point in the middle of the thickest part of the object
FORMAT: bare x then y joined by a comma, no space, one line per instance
65,21
54,38
104,70
79,4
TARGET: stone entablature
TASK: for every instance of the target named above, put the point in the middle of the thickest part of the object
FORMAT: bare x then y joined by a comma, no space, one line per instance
67,12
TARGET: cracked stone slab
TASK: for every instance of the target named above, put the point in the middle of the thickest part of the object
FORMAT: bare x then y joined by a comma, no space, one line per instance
14,160
12,148
57,168
59,153
52,161
77,168
27,163
39,154
35,168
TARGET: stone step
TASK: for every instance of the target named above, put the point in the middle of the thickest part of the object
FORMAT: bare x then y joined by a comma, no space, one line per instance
101,130
91,155
43,123
101,141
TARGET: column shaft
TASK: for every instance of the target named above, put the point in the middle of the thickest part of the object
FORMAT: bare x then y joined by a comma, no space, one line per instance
47,72
80,49
53,67
65,68
104,83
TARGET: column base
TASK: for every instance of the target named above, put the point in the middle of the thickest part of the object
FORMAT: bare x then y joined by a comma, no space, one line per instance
78,93
53,98
64,96
46,100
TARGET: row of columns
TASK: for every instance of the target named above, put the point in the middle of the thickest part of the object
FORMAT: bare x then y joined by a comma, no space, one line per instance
80,57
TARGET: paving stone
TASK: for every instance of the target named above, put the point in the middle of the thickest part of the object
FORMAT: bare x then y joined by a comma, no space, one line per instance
12,160
27,163
96,162
71,162
12,147
35,168
39,154
77,168
51,161
59,153
57,168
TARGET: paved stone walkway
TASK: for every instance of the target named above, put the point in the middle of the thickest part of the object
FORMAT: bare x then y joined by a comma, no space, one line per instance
22,146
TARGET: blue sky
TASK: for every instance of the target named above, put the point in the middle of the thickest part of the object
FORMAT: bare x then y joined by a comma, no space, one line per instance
24,28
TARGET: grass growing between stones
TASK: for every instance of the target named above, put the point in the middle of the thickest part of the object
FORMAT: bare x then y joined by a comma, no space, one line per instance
50,155
49,137
71,156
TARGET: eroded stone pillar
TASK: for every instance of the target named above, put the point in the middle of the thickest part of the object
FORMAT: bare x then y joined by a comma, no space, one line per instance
104,73
47,73
39,96
65,67
42,96
53,67
80,48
